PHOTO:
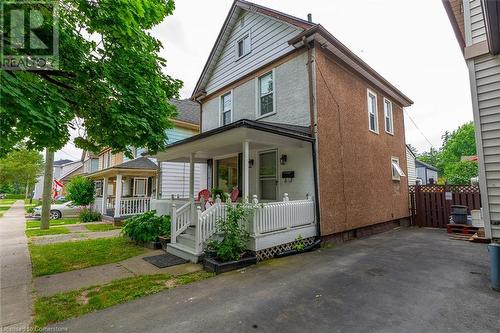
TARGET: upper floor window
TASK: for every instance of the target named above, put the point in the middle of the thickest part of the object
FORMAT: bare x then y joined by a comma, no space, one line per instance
243,46
226,108
388,116
372,111
106,159
266,95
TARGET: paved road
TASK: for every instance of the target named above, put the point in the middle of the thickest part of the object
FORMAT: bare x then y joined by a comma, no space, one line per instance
15,270
409,280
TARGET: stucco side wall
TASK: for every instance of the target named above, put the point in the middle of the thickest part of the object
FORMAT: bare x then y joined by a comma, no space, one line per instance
355,173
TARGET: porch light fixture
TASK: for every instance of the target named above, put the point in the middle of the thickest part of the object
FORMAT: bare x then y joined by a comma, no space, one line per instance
283,159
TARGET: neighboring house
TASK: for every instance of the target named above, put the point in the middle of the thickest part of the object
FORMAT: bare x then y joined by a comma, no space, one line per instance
476,27
411,169
125,186
426,173
296,121
63,170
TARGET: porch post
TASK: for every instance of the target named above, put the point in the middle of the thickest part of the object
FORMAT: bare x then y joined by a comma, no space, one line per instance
191,187
245,166
104,206
118,195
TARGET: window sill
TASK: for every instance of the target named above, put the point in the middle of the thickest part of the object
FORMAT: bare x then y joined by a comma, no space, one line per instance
391,133
243,56
374,132
265,115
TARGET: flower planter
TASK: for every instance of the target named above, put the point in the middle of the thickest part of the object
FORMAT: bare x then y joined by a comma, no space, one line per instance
214,265
164,240
152,245
306,249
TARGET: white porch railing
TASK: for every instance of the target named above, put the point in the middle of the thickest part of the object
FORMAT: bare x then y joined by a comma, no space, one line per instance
110,204
207,223
180,220
98,204
133,206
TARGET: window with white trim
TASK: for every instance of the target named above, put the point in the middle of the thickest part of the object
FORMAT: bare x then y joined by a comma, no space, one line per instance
243,46
397,172
372,111
226,102
140,187
266,94
98,188
388,116
106,159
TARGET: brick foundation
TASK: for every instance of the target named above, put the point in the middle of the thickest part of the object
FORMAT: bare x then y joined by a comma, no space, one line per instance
362,232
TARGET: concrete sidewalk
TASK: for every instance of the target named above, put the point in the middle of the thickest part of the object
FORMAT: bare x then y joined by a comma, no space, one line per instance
98,275
15,270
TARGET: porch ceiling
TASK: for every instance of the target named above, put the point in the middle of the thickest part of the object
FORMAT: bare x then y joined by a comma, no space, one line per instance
113,172
229,141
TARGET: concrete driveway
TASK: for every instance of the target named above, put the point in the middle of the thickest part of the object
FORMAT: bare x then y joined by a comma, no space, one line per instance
406,280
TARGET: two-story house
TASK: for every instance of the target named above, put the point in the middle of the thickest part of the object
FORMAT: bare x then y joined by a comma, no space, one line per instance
475,23
125,186
63,171
297,122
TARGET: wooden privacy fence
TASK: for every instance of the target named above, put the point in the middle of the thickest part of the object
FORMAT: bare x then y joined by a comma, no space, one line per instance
429,206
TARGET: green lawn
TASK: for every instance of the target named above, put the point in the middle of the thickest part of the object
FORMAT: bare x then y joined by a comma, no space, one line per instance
62,257
7,202
36,224
51,231
101,227
76,303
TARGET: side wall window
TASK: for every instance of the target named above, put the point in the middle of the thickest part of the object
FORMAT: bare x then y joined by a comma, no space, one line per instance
372,111
388,116
265,94
226,105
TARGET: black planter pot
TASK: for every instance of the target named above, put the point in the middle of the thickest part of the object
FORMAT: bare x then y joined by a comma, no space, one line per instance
164,240
214,265
210,253
306,249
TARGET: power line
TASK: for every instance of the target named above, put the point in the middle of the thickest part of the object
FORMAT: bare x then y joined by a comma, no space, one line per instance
418,128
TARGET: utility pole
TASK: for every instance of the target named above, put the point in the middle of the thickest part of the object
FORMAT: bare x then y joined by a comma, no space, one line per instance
47,189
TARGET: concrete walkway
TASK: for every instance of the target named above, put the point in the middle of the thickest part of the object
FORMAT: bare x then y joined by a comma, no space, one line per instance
409,280
15,271
98,275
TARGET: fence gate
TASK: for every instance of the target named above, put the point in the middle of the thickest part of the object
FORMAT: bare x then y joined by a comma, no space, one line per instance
429,207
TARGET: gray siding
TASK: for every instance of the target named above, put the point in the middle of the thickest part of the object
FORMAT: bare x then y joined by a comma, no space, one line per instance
175,179
476,27
269,40
292,97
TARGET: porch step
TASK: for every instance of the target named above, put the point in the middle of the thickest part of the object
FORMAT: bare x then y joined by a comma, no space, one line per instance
190,230
187,240
183,252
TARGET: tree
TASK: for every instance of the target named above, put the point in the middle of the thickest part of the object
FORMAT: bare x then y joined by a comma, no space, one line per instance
461,172
19,170
81,191
108,83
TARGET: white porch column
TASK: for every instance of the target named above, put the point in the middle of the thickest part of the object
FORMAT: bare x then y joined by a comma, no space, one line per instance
118,195
104,205
245,166
191,187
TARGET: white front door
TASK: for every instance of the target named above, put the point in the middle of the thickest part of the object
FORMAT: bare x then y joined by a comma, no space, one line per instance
268,175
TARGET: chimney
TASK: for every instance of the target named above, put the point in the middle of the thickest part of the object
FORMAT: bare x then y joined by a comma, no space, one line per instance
309,17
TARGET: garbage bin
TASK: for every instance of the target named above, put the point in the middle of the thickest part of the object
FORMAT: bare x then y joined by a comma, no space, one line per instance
459,214
494,250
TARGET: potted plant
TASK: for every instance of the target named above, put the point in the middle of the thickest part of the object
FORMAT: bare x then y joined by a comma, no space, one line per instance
231,252
148,229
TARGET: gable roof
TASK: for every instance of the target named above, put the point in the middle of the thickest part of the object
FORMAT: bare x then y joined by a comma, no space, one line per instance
138,163
187,110
410,151
425,165
310,31
227,27
63,162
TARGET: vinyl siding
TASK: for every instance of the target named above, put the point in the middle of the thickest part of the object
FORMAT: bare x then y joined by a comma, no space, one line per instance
411,172
175,179
269,41
477,28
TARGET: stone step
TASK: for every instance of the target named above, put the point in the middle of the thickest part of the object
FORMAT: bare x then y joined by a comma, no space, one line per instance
183,252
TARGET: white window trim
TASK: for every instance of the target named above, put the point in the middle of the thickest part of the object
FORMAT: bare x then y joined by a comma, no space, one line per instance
221,106
395,166
134,193
257,96
368,93
248,35
391,117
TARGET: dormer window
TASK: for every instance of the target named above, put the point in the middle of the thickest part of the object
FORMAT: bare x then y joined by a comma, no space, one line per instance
243,46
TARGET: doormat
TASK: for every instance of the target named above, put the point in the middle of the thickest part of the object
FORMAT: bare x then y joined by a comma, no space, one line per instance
165,260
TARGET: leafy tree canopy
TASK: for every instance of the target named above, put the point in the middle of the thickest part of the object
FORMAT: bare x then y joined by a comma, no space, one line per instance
80,191
20,168
109,83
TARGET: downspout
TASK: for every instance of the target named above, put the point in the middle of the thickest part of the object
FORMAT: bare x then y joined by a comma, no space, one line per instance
311,69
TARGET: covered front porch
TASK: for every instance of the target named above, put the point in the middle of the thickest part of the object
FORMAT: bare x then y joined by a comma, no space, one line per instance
125,189
270,165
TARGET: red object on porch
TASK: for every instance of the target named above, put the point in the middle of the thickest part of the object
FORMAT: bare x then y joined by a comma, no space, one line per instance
234,194
205,194
464,229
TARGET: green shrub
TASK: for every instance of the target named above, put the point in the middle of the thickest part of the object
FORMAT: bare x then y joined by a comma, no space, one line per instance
222,195
14,196
30,210
87,215
146,227
81,191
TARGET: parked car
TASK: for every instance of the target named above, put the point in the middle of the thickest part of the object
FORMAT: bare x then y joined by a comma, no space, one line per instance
59,210
2,196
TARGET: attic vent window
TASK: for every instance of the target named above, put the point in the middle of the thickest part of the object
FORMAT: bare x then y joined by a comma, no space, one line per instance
243,46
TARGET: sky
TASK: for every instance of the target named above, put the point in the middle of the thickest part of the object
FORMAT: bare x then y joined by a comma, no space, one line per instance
410,43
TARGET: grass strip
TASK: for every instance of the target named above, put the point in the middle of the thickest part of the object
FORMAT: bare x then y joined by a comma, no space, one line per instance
100,227
68,256
65,221
72,304
45,232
